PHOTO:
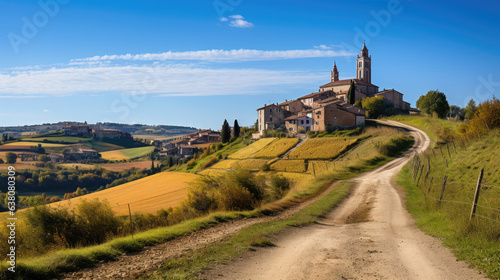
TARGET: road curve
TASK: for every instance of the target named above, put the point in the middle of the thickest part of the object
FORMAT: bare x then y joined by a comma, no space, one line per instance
369,236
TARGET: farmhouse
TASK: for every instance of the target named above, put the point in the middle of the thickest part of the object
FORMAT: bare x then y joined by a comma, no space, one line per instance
329,107
77,130
188,145
111,133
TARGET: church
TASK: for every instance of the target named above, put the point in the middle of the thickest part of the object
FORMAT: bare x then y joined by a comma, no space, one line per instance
328,108
363,82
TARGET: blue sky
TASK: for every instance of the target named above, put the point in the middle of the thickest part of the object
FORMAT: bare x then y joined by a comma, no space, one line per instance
196,63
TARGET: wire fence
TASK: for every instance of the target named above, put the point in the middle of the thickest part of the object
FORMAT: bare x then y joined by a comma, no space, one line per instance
428,170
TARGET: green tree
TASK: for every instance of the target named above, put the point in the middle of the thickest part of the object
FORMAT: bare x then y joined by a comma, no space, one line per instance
11,157
374,106
456,111
470,109
351,94
236,129
434,102
43,158
226,132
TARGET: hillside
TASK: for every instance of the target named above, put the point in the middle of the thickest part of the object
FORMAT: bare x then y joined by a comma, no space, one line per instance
143,129
446,212
146,195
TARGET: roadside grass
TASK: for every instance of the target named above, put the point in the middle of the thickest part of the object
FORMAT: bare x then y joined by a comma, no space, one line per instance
52,265
189,267
476,241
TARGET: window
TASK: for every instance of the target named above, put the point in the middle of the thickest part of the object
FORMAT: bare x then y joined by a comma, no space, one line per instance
360,63
307,121
334,118
271,119
301,121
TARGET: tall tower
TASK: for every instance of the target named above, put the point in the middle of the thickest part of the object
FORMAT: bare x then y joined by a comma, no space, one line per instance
335,73
364,66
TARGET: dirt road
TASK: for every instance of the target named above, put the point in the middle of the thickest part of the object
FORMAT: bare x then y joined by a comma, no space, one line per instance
370,236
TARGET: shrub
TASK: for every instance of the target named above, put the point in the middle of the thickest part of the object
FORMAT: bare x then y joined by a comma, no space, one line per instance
396,146
11,157
97,220
210,162
280,185
235,198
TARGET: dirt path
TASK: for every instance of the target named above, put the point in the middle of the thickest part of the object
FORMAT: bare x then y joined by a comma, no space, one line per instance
370,236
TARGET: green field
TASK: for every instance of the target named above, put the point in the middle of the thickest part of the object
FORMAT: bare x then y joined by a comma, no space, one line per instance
126,154
63,139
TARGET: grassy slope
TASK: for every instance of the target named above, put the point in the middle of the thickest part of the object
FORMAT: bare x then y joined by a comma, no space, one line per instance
477,242
146,195
127,153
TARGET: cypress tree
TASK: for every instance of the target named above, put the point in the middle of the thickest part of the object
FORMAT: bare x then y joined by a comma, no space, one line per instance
226,132
351,94
236,129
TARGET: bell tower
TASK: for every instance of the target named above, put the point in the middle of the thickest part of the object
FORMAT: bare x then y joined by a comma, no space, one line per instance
335,73
364,66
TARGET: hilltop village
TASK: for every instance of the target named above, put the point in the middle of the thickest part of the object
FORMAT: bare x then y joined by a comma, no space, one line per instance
329,107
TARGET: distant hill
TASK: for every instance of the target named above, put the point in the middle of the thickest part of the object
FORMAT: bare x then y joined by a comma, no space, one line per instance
134,129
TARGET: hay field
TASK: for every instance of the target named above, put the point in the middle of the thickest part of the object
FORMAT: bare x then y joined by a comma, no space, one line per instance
35,144
251,149
146,195
322,148
127,153
293,165
277,148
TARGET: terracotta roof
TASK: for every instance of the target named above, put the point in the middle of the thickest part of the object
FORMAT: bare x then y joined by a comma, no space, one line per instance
286,102
266,106
314,94
348,82
294,117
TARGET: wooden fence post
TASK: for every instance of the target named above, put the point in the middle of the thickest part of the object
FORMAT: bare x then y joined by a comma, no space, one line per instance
476,194
442,188
433,154
463,144
430,185
454,146
428,167
448,148
441,149
314,171
446,162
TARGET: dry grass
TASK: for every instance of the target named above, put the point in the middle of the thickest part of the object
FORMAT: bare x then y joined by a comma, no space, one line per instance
35,144
251,164
322,148
277,148
248,151
19,166
289,166
146,195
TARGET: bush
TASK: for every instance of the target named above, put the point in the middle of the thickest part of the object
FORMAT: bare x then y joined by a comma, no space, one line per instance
11,157
280,185
210,162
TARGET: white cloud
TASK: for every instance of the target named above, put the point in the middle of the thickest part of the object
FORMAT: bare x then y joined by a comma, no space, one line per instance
223,19
239,21
155,73
219,55
45,110
179,80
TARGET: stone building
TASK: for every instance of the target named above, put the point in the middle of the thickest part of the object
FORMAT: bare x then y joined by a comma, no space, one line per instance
328,106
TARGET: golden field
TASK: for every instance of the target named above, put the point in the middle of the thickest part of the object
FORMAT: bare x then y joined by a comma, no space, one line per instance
251,149
250,164
277,148
126,154
322,148
35,144
146,195
293,165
